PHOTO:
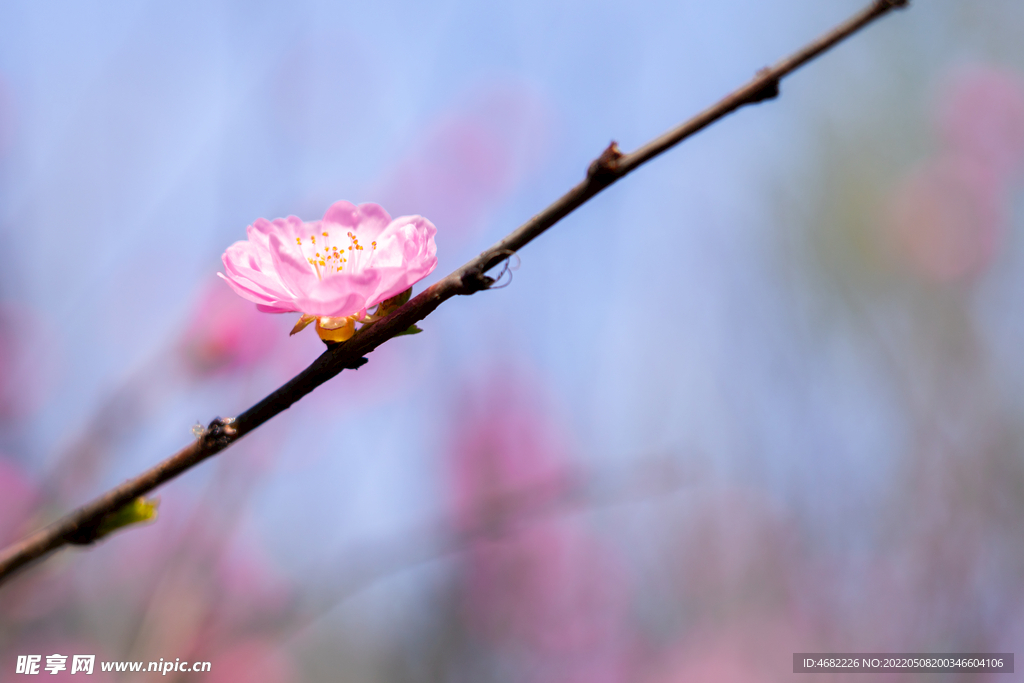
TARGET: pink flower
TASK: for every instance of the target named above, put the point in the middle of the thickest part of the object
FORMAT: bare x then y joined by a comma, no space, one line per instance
355,258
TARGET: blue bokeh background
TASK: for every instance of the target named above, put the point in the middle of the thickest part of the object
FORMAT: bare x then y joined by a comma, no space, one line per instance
711,322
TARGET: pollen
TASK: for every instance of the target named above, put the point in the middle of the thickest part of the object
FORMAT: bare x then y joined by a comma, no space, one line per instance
331,259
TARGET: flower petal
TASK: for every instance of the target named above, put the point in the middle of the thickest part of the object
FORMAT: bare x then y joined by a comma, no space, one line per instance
291,266
251,279
288,228
284,308
244,267
339,295
366,220
406,253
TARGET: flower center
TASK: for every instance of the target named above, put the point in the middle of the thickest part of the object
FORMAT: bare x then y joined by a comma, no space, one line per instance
328,259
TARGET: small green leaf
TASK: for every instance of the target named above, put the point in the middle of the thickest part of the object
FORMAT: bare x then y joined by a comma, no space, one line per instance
412,330
136,512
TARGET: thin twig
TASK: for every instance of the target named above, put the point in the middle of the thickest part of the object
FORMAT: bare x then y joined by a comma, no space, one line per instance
80,527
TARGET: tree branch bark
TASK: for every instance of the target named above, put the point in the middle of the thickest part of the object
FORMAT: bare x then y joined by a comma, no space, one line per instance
81,526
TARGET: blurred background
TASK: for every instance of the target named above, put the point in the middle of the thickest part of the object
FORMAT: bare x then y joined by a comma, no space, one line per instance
764,396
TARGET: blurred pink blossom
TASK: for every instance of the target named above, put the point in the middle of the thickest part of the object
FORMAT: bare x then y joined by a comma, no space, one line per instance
24,370
198,589
32,594
947,218
556,592
252,661
508,459
537,584
18,497
250,589
35,594
981,117
226,333
740,651
351,260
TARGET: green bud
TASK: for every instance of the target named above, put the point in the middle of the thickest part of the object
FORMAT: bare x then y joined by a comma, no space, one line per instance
412,330
136,512
392,304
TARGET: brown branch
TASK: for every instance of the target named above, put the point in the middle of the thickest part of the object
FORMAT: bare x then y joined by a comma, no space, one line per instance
80,526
